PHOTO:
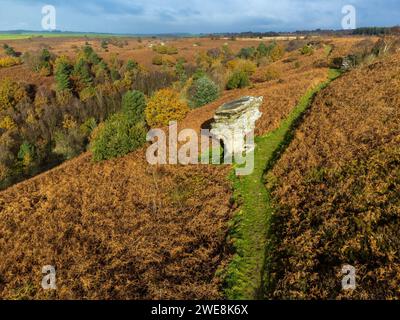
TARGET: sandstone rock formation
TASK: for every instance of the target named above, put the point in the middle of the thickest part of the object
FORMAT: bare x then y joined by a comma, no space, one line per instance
235,120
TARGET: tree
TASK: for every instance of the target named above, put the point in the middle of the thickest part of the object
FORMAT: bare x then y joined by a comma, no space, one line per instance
83,72
45,67
90,55
63,71
203,91
11,93
165,106
26,154
102,72
133,105
276,52
262,50
117,137
7,123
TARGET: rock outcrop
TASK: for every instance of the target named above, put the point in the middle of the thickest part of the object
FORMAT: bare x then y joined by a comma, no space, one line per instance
235,120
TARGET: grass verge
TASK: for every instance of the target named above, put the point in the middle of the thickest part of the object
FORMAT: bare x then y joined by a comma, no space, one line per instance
245,275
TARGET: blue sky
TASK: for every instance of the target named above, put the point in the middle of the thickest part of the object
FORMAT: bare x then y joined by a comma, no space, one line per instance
196,16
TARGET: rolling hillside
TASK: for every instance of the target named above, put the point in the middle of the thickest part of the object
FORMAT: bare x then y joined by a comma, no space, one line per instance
122,229
336,192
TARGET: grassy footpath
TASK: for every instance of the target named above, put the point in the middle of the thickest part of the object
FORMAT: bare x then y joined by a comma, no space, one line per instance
249,227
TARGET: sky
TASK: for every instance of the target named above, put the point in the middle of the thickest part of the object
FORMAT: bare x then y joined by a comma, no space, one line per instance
195,16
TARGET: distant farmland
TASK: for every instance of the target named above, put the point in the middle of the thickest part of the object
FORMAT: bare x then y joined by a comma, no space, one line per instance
20,36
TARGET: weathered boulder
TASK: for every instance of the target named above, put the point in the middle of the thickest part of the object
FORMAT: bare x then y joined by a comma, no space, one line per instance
235,120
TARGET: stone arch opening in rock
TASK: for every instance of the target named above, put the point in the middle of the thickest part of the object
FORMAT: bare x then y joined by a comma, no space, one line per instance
208,124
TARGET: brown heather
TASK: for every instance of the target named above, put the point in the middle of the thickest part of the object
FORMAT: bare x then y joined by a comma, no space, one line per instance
337,191
116,230
122,229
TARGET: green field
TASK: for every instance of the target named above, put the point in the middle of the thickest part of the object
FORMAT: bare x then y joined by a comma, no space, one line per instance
19,36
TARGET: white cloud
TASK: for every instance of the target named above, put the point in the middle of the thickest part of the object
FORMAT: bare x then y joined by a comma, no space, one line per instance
157,16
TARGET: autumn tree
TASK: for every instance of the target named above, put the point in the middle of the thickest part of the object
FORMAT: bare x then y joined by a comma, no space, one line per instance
11,93
165,106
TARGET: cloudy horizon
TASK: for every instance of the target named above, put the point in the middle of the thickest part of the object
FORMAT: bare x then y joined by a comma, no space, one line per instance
195,16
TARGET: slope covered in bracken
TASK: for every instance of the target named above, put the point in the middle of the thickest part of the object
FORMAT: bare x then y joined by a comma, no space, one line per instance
123,229
336,192
117,230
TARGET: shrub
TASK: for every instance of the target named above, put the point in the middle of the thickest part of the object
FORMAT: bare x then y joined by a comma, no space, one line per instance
219,75
160,49
115,74
214,53
172,50
39,61
180,70
164,106
328,49
271,74
9,62
262,50
241,65
203,91
239,79
133,105
117,137
294,45
307,50
104,44
199,73
168,61
203,61
247,53
9,51
165,49
131,65
157,60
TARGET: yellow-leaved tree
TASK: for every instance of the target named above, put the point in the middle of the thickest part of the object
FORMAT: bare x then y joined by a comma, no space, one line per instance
165,106
10,94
